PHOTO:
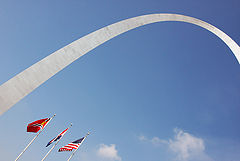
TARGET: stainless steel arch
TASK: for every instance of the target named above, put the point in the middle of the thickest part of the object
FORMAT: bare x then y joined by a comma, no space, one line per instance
25,82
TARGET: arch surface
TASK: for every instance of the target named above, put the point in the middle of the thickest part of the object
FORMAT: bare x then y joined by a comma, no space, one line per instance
25,82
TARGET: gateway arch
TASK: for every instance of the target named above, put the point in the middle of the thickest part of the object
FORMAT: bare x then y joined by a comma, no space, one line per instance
25,82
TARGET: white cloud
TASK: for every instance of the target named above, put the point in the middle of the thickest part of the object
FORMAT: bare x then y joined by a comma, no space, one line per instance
184,146
142,138
187,147
109,152
155,140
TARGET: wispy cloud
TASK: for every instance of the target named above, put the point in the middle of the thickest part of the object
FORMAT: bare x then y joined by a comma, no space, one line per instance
142,138
155,140
109,152
183,145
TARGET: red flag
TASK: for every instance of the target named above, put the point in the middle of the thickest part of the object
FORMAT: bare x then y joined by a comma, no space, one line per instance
37,125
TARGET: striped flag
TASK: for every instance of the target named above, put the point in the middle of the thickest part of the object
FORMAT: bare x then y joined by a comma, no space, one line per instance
57,137
72,145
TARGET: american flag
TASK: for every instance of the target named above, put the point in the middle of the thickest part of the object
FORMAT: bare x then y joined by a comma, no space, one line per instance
72,145
57,137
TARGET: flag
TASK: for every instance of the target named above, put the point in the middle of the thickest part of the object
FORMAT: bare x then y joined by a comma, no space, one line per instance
72,145
57,137
37,125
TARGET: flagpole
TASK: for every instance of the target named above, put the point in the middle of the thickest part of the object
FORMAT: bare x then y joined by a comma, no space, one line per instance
78,147
34,138
53,146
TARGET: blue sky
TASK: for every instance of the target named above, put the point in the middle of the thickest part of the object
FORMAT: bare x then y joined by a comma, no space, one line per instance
166,91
